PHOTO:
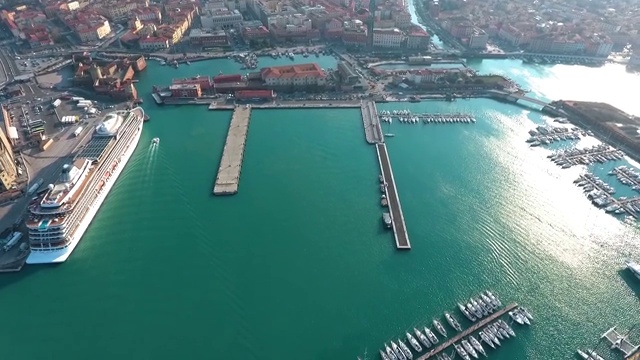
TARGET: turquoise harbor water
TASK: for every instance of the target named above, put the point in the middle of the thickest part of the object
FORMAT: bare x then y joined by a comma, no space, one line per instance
297,264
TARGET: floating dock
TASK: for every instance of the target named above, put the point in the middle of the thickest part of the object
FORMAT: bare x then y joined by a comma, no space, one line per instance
620,342
395,208
475,327
371,122
231,163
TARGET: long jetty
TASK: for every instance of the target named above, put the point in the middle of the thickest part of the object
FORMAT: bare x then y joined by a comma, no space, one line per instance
475,327
371,122
231,163
395,208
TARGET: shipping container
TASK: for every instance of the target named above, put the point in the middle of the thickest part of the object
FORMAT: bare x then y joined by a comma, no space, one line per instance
77,132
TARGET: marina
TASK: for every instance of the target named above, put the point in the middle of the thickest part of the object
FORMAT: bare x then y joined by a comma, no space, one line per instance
544,135
620,342
601,195
407,117
475,327
228,176
388,186
596,154
464,342
627,176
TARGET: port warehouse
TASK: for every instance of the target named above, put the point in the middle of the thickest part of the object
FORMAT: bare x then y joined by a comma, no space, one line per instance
309,77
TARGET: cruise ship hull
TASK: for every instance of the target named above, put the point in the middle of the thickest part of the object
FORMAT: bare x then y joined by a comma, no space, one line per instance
61,255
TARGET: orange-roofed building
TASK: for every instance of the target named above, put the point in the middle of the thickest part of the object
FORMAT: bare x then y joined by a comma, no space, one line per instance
301,75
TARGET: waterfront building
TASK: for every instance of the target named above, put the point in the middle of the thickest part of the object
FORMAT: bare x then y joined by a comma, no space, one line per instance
417,38
355,36
255,95
599,46
221,19
512,35
206,38
295,76
548,43
204,82
347,73
8,171
185,90
387,38
154,43
478,39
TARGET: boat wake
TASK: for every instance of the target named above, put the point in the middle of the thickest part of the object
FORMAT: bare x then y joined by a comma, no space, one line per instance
152,158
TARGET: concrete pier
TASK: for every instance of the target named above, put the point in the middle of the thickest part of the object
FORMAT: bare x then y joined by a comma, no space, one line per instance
475,327
395,208
233,153
371,121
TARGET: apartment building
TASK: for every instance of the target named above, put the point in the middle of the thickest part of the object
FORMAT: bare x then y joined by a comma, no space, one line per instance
216,19
511,35
417,38
478,39
297,76
401,19
387,38
208,38
88,25
557,44
118,9
146,14
600,46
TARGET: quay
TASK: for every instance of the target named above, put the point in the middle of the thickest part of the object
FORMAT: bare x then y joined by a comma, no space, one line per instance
231,163
395,208
621,343
371,122
475,327
214,105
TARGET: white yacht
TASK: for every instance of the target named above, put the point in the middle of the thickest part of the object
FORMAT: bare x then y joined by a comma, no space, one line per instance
523,316
405,349
506,327
398,351
466,313
469,349
452,321
414,343
460,350
432,337
439,327
476,345
593,355
390,353
487,339
423,339
583,355
526,313
516,317
383,356
494,299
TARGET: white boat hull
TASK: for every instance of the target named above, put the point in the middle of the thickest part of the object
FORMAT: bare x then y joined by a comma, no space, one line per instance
62,254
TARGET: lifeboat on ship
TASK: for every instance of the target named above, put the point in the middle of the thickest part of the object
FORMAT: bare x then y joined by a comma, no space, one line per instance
100,185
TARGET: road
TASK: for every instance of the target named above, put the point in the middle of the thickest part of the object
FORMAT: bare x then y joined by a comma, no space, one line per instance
7,67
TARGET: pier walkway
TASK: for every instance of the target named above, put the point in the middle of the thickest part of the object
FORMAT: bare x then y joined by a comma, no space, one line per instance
475,327
371,122
395,208
620,342
288,104
233,153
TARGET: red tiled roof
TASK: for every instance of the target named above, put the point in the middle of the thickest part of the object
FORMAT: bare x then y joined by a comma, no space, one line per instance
290,71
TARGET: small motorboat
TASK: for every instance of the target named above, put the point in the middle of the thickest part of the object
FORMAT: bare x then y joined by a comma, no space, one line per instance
155,141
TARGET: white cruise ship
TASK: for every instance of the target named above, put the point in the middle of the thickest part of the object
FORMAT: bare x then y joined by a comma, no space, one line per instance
634,268
58,221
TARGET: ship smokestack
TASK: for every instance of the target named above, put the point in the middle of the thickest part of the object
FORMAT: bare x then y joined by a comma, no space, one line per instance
64,175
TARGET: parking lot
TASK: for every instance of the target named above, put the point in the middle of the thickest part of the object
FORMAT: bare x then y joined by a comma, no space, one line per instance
35,64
